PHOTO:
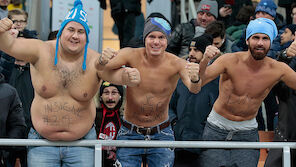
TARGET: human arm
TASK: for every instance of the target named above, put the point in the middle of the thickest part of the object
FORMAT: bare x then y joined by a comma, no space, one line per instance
189,75
210,53
104,58
291,50
289,75
20,48
114,71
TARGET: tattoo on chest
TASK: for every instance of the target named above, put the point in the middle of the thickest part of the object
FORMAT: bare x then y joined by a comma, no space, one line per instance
67,76
150,108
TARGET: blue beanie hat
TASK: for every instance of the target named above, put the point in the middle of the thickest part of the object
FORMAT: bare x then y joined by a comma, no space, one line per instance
262,25
267,6
78,15
156,24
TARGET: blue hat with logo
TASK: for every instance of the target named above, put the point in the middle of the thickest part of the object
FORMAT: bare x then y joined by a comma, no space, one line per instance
263,26
156,24
267,6
78,15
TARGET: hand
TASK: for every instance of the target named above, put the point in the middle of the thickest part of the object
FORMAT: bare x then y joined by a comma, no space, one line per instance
193,71
5,25
291,50
211,52
131,76
225,11
107,55
14,32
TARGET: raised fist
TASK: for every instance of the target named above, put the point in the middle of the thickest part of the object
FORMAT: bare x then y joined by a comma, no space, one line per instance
211,52
107,55
193,71
5,25
291,50
131,76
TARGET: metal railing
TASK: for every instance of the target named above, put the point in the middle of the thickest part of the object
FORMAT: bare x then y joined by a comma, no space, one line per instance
98,144
191,10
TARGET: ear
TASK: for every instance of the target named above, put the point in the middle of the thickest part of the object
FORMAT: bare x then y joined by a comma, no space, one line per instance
247,42
119,97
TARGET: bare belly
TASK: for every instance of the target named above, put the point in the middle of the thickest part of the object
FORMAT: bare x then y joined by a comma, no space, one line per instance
62,120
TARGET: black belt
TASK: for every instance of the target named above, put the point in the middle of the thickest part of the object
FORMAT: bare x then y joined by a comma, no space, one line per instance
146,130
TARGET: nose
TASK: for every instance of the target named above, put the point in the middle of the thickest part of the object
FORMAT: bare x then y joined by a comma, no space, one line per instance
75,35
204,16
191,52
260,42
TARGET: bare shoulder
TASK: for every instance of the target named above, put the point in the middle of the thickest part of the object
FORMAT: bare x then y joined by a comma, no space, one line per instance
131,52
174,60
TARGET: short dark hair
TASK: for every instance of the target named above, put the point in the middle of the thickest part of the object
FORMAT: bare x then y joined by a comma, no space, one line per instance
216,29
293,5
245,13
17,12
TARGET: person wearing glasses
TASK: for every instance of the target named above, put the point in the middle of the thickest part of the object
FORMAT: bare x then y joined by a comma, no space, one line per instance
108,119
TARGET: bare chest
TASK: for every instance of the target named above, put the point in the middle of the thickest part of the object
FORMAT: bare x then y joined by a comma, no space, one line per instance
57,81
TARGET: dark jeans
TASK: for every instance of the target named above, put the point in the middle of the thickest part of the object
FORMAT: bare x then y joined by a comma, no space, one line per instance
229,157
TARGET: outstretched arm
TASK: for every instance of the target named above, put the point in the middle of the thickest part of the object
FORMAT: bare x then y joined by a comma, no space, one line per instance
20,48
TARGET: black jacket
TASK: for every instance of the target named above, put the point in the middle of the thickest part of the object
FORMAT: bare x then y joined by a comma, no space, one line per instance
12,121
20,79
181,38
121,6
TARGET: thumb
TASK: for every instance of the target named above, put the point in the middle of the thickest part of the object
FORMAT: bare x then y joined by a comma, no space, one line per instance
294,36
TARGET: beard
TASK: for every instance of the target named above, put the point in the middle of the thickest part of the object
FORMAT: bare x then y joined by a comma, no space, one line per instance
258,55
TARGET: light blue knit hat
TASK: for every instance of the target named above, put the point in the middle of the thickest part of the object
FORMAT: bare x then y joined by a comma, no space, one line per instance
78,15
262,25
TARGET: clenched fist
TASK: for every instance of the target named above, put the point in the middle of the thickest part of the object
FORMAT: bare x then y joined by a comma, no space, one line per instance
193,72
211,52
291,50
5,25
107,55
131,76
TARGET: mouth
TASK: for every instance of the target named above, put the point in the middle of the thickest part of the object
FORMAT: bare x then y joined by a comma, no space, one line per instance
74,42
192,59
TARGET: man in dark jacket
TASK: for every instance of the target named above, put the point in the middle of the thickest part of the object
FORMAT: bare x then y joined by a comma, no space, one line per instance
188,111
124,14
181,37
12,121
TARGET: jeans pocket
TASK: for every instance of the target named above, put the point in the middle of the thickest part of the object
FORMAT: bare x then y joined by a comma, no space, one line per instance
168,132
123,131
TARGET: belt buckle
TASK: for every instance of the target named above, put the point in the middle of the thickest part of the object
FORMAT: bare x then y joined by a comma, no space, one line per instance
148,130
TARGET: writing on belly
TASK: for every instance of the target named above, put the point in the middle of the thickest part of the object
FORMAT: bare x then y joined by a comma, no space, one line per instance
60,114
151,108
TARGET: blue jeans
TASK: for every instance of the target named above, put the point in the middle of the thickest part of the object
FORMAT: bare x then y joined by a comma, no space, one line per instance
61,156
156,157
229,157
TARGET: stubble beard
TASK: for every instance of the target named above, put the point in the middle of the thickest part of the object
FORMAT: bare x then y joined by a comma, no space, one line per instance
258,56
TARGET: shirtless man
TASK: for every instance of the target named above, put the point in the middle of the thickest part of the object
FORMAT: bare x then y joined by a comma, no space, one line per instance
63,108
245,80
151,77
